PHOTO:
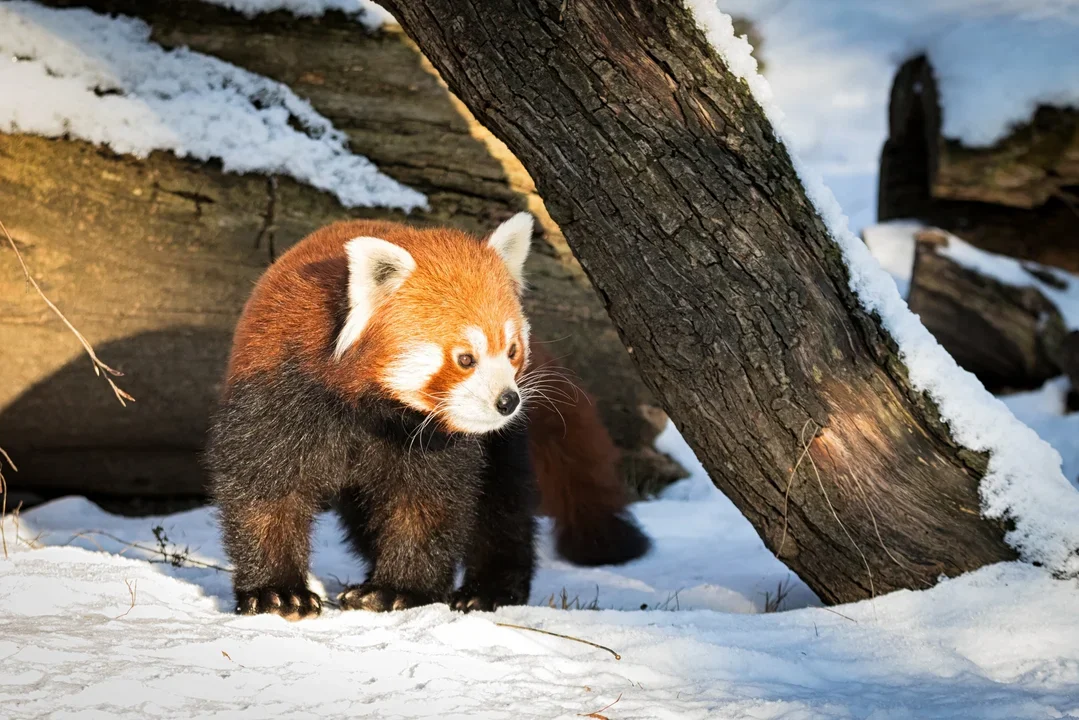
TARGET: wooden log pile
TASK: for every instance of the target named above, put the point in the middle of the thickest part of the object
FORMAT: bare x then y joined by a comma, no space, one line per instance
1019,197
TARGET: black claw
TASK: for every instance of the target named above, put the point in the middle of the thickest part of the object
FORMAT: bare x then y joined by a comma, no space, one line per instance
374,598
470,600
289,603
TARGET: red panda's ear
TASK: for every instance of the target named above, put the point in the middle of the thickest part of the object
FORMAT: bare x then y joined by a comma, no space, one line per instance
376,268
511,240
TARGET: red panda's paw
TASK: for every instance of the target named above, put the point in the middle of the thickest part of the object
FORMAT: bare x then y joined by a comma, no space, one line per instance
290,603
467,600
377,598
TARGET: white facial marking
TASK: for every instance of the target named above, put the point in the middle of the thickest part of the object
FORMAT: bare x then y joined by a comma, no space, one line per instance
471,404
511,240
376,269
410,372
508,332
478,339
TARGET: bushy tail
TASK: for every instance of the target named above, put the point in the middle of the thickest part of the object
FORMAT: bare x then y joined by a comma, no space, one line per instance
576,467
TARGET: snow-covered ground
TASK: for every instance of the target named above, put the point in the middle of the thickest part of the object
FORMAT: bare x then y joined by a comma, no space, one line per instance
89,630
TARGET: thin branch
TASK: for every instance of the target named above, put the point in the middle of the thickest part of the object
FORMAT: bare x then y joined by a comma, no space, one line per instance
559,635
166,557
100,368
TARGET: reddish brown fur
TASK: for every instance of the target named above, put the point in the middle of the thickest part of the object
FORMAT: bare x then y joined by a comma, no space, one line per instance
299,306
573,457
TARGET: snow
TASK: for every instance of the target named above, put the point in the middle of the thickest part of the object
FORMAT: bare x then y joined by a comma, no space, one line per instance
1002,642
1024,483
831,64
370,14
892,245
1043,410
98,78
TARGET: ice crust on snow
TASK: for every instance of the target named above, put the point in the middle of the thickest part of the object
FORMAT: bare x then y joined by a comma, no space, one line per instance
1024,482
370,14
1002,642
99,78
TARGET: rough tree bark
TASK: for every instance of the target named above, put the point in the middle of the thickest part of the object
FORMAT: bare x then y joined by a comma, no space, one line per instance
686,213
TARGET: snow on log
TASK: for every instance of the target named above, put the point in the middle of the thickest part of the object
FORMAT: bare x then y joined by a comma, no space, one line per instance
97,78
774,340
1010,335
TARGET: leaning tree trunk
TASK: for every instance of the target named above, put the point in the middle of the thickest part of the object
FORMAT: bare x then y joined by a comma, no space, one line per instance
687,214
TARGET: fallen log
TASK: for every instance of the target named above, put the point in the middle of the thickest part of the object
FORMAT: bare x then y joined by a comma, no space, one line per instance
154,258
1011,336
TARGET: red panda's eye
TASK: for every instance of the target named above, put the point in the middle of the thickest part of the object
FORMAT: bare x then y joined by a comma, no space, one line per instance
513,351
465,360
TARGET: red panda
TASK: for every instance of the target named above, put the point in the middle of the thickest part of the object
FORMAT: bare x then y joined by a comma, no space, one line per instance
387,371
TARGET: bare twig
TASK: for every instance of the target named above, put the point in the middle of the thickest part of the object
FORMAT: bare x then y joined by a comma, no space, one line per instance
824,493
100,368
32,543
597,714
174,559
772,602
132,589
835,612
3,498
559,635
229,658
790,482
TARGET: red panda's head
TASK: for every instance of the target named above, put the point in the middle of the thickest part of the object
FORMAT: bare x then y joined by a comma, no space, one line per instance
436,318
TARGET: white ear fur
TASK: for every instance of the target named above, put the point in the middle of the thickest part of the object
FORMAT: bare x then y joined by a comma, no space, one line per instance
511,240
376,268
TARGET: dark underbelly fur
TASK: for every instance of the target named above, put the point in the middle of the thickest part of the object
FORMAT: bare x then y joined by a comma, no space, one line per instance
416,505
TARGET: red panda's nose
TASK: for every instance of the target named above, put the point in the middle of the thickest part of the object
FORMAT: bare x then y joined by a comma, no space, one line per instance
507,402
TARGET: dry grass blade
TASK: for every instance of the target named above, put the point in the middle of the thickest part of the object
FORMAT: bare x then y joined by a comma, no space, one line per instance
100,368
596,714
790,482
560,635
132,590
3,497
